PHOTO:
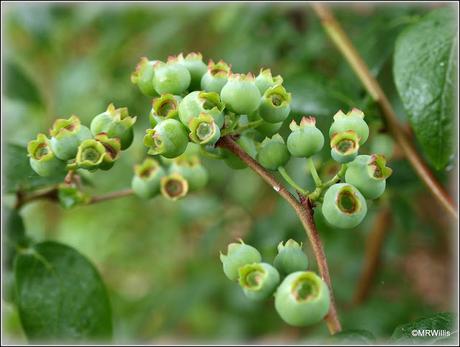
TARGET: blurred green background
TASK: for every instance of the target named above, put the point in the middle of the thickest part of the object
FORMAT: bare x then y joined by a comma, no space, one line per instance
159,259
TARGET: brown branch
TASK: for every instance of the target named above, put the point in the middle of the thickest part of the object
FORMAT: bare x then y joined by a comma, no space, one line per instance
344,44
52,195
45,194
374,245
110,196
305,214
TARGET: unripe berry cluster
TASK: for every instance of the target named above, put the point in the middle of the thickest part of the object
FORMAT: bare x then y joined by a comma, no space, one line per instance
301,297
74,146
194,105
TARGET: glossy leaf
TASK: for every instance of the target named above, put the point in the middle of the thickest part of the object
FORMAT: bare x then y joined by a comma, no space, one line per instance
60,295
438,326
424,73
18,173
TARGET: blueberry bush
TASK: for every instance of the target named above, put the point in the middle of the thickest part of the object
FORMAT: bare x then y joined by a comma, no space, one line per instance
302,152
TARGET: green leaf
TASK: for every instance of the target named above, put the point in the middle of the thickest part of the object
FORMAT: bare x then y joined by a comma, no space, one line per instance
18,173
60,295
439,325
315,95
15,235
424,72
354,336
18,85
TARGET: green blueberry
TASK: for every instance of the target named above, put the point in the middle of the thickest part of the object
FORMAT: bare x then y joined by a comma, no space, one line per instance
368,174
273,153
195,66
344,146
112,150
247,143
164,107
146,179
290,257
216,76
66,136
240,94
274,105
383,144
116,123
353,120
305,139
168,138
199,102
258,280
238,255
143,76
344,206
174,186
90,155
171,77
191,169
204,130
265,80
42,159
269,129
302,299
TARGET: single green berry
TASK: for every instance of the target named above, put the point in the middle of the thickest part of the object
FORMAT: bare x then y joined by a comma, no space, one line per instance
70,196
269,129
344,206
274,105
305,139
383,144
265,80
164,107
191,169
168,138
112,150
143,76
273,153
204,130
247,143
353,120
171,77
42,159
216,76
90,154
238,255
199,102
240,94
174,186
116,123
146,179
66,136
302,299
258,280
195,66
368,174
290,257
344,146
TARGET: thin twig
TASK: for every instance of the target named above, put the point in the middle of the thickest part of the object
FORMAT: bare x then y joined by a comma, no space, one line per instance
45,194
344,44
374,245
303,211
52,195
110,196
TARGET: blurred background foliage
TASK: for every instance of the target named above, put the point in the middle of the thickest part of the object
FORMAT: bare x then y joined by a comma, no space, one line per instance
159,259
